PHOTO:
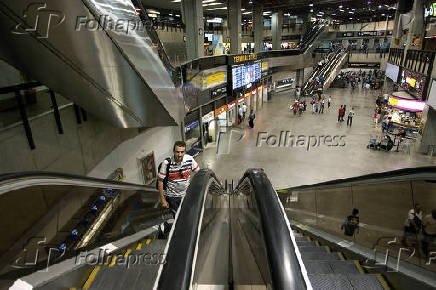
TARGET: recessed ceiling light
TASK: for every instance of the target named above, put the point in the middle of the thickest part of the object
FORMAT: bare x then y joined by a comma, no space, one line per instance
340,6
311,10
310,4
208,1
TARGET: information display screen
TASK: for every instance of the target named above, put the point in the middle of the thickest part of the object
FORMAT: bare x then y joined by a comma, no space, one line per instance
392,71
244,75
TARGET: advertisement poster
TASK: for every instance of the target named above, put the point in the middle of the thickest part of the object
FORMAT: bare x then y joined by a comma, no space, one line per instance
148,169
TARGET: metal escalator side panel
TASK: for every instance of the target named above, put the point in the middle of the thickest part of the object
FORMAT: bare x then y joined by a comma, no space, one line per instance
79,61
286,269
137,46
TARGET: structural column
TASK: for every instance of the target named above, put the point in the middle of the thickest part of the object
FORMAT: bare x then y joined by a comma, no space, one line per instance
258,27
234,22
299,79
193,18
276,29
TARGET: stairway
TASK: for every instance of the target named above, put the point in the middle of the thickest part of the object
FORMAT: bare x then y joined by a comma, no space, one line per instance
328,269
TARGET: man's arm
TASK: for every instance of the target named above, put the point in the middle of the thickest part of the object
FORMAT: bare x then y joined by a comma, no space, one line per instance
163,201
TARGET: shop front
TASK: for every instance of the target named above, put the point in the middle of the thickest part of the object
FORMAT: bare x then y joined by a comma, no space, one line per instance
232,113
406,112
221,117
192,137
209,128
259,97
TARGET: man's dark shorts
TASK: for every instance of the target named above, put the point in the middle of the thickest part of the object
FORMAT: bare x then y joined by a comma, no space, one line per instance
173,203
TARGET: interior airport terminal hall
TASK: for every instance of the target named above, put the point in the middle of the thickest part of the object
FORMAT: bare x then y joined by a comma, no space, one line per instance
218,144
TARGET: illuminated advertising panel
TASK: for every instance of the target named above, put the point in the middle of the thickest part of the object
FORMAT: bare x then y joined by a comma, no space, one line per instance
408,105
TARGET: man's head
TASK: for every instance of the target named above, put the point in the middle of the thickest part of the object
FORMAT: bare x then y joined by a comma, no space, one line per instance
355,211
179,151
418,208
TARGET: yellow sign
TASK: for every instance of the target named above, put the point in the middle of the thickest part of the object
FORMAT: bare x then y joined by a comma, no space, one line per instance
214,79
244,57
264,65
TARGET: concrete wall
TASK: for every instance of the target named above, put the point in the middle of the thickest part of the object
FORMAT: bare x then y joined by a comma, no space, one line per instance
83,149
369,26
369,58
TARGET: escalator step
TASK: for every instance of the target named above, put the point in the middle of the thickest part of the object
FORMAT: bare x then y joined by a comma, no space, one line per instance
344,267
330,281
364,282
308,256
312,249
301,239
306,244
331,267
345,281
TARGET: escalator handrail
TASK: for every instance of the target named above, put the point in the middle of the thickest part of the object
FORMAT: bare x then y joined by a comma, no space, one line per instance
14,181
284,259
183,239
405,174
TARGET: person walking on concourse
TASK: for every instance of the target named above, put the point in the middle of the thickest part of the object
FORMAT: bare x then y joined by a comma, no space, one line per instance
350,117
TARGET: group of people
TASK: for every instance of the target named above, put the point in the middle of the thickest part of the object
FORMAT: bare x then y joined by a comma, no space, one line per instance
416,223
242,110
341,114
367,79
319,105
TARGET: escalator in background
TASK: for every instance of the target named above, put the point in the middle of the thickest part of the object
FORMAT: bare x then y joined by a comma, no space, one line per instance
62,222
122,76
328,71
383,201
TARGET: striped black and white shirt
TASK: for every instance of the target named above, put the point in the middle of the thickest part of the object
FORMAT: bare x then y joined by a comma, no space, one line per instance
178,179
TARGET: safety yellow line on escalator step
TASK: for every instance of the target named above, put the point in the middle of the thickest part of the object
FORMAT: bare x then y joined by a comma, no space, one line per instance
327,248
91,277
317,243
341,256
127,253
148,241
139,246
382,281
359,267
112,263
308,238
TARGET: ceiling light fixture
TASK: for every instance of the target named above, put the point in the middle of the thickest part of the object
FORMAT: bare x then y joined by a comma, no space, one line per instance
340,6
208,1
310,4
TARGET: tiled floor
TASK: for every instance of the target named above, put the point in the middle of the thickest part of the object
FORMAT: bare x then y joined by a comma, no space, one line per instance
293,166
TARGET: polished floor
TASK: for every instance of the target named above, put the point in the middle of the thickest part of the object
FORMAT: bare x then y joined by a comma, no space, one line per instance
297,165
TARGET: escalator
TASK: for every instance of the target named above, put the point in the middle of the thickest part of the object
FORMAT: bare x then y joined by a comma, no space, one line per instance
328,71
221,237
103,55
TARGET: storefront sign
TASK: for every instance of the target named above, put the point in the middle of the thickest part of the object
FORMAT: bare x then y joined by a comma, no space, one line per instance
254,91
191,126
259,88
408,105
244,57
207,118
248,94
231,105
220,110
219,91
240,100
